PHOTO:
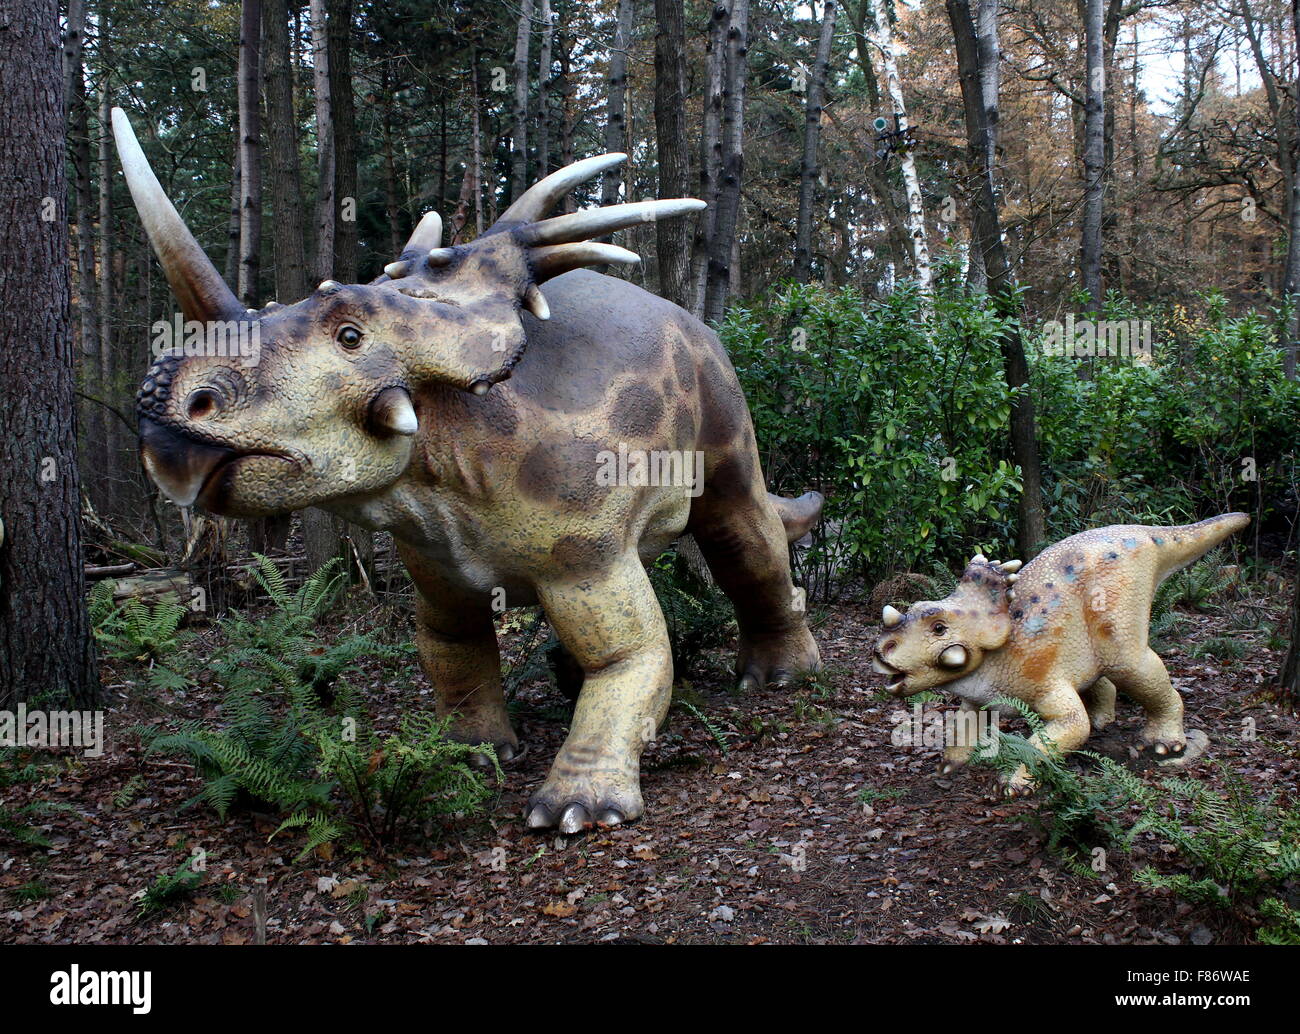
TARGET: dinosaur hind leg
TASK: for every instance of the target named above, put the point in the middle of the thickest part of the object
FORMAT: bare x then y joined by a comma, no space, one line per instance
1099,698
1145,679
743,538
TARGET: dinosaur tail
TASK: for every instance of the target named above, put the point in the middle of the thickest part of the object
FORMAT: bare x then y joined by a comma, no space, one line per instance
1188,542
800,515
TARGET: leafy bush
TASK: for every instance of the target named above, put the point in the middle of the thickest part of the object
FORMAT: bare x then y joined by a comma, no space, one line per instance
698,615
137,631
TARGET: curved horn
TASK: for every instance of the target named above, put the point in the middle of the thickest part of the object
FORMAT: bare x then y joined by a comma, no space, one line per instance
1012,566
555,259
202,293
597,222
427,235
889,617
544,195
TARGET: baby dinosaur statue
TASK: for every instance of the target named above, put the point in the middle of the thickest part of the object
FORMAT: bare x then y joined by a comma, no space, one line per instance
485,425
1072,631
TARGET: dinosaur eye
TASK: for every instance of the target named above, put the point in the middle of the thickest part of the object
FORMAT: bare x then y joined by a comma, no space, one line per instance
348,336
939,628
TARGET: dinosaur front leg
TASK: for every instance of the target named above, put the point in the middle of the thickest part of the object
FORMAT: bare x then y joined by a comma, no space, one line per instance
458,651
612,625
1065,728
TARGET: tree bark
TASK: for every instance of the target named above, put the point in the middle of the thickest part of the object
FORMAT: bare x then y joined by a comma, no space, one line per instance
710,156
735,76
79,149
250,152
519,134
325,206
111,429
672,236
1094,154
343,116
884,41
543,92
810,170
282,157
1001,282
46,651
1291,270
616,100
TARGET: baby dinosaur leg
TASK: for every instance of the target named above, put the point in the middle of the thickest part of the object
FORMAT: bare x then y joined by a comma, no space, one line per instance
1145,679
1065,728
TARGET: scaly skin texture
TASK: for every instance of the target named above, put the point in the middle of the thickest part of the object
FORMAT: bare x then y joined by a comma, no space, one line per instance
1071,631
452,405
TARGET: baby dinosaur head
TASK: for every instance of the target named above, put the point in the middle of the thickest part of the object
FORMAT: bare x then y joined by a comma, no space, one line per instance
288,406
938,641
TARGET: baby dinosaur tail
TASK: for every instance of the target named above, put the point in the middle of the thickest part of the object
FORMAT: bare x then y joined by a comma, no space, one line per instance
1180,545
800,515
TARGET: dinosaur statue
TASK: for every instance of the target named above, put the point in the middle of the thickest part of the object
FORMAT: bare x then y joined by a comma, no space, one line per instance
1071,631
453,404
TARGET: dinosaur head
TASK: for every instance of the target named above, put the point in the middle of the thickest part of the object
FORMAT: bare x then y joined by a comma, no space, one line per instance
255,412
938,641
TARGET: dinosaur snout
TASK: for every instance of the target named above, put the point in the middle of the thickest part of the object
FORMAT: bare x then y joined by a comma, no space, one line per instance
896,678
178,464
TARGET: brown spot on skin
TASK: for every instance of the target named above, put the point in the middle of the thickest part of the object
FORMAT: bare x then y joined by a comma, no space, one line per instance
733,477
580,554
685,365
637,410
563,474
683,426
722,404
1039,663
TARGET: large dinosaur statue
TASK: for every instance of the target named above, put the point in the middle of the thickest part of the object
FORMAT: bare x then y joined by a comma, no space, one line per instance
1071,631
519,447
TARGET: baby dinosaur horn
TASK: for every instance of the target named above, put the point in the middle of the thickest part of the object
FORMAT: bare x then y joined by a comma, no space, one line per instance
889,617
1012,566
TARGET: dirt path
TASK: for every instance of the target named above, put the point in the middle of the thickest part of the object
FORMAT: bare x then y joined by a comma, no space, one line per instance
812,827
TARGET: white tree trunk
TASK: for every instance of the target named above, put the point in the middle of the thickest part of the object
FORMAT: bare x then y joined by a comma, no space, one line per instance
883,38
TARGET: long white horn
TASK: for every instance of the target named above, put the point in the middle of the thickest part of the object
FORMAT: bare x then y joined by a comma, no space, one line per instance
889,617
597,222
551,261
202,293
545,194
427,235
1012,566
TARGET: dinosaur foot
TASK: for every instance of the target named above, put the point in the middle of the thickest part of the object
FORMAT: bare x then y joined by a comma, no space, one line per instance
1197,744
1018,784
776,659
1164,745
575,803
504,742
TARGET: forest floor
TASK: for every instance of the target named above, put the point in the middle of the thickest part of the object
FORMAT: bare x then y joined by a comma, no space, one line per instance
811,827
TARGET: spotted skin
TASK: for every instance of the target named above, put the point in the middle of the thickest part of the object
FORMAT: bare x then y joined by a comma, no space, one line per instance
496,497
1068,634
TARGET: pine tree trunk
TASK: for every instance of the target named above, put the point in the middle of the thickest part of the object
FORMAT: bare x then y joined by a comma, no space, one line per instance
108,455
519,134
543,92
616,100
325,207
718,279
810,170
45,643
710,157
287,236
1094,155
250,152
343,114
672,236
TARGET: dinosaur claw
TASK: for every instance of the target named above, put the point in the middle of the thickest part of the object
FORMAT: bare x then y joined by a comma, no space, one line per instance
610,817
747,682
575,819
539,818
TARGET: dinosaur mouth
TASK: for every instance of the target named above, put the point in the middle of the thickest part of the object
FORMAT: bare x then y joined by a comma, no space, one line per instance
187,469
896,678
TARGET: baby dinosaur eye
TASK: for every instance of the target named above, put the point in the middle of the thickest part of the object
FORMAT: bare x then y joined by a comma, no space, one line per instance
348,336
939,628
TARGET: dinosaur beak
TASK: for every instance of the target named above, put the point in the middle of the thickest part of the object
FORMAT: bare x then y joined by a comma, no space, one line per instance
896,680
179,465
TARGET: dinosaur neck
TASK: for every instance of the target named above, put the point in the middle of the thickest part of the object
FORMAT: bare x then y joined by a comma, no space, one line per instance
981,685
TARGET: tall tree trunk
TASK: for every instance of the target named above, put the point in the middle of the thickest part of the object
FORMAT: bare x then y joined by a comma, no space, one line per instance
810,170
616,99
343,115
543,92
326,209
1094,154
112,431
986,27
735,77
1001,282
231,269
884,41
710,156
672,236
1291,271
392,207
79,147
858,19
282,157
519,134
567,205
250,152
45,642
